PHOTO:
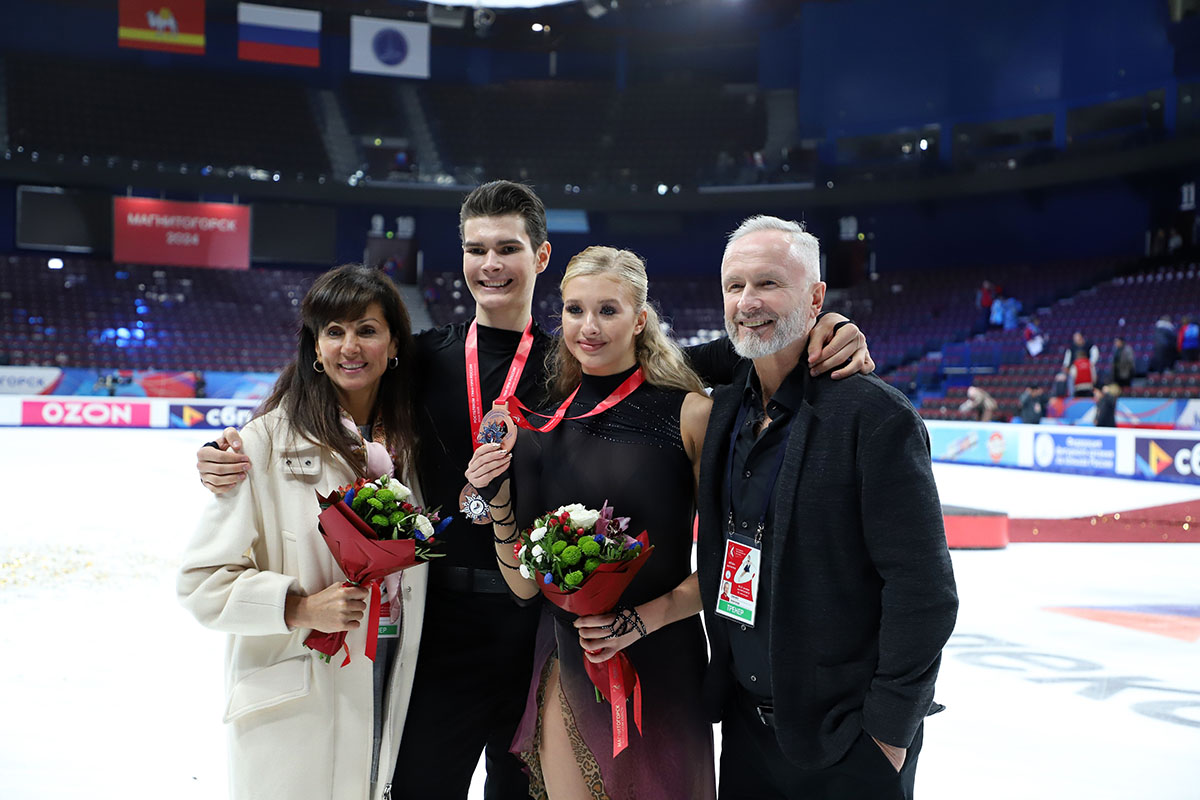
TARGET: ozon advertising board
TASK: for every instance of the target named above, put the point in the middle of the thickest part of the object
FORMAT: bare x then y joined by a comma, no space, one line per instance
86,413
149,231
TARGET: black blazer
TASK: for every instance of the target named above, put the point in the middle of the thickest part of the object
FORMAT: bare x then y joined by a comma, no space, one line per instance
863,594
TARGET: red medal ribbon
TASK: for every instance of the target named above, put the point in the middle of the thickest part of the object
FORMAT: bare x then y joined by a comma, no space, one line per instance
474,390
373,621
627,387
372,644
617,698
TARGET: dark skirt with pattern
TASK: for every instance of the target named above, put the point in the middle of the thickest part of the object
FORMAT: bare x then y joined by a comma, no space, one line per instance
671,758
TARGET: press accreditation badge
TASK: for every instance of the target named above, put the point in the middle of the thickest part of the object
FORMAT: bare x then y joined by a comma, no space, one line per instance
738,591
388,621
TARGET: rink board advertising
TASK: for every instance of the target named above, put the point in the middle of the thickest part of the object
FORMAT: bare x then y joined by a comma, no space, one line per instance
207,415
1173,460
89,413
1083,453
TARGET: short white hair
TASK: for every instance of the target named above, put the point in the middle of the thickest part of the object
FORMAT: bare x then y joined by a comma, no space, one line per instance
803,247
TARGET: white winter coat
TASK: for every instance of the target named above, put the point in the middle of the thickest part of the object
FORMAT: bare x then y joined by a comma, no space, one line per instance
299,727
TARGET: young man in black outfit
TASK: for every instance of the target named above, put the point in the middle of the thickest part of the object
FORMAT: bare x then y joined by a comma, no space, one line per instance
474,667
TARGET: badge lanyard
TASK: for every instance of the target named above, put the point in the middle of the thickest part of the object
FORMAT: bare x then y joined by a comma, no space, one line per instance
737,595
762,518
470,502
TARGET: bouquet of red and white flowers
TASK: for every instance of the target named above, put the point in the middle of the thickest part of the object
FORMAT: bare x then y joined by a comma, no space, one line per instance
384,505
567,546
582,561
373,531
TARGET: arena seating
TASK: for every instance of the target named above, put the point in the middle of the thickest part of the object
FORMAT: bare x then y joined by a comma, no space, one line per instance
1127,305
100,314
912,318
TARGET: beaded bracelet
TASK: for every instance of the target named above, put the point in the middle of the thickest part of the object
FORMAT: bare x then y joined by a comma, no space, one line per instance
627,619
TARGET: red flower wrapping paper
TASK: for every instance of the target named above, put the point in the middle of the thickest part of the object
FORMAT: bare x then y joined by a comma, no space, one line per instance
365,560
616,677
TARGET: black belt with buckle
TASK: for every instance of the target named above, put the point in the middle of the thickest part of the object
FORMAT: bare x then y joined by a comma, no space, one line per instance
763,708
468,579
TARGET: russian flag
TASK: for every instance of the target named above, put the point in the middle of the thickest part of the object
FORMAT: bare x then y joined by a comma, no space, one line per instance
279,35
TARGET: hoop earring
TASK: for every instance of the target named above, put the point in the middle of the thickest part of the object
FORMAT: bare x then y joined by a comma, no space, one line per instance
317,366
393,362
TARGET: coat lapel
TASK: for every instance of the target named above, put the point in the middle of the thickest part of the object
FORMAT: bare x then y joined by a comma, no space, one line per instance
712,462
787,488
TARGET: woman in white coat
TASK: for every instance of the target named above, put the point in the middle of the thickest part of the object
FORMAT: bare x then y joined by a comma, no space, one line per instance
258,569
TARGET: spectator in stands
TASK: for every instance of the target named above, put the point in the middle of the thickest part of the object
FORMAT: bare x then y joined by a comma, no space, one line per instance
1080,347
1012,310
1033,404
1080,362
1035,340
340,411
1083,376
996,312
201,384
1174,242
1158,243
1189,340
985,295
1165,345
980,403
1106,405
760,167
1124,362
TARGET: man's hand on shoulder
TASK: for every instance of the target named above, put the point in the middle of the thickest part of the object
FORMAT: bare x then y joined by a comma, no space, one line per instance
225,466
835,341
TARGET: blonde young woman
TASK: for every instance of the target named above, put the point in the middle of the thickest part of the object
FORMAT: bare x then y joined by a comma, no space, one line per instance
641,456
258,569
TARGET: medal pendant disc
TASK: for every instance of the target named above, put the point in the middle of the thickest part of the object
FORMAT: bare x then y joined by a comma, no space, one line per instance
497,427
473,506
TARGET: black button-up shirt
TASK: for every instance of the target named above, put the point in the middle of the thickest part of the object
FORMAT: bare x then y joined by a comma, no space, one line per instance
756,457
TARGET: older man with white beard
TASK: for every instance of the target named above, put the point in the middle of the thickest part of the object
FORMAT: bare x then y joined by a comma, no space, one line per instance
823,660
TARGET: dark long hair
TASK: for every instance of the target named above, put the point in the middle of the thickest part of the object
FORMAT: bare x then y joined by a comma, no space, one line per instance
308,397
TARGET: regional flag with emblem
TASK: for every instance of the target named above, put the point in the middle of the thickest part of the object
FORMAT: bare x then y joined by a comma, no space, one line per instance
176,26
279,35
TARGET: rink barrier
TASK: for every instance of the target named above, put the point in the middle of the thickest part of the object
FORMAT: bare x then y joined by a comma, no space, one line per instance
1170,523
975,529
1149,455
123,412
